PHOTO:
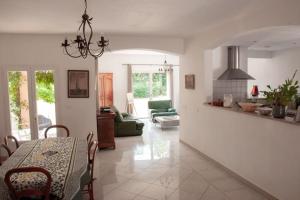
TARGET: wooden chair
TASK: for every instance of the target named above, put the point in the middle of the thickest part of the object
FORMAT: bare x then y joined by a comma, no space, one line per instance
91,159
57,126
42,191
3,158
89,137
13,139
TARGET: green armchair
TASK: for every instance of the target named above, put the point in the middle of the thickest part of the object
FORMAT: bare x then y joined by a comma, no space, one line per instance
125,125
161,108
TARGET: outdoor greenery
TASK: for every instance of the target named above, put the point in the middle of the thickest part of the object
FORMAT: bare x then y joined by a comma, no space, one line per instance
15,81
45,86
141,85
159,84
284,94
44,91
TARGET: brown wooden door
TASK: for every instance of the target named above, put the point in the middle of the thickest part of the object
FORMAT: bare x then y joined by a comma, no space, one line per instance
105,89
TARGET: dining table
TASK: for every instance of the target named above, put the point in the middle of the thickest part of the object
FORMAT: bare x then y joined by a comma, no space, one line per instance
64,158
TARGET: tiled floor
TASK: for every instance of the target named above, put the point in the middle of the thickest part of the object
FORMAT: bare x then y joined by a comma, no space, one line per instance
158,166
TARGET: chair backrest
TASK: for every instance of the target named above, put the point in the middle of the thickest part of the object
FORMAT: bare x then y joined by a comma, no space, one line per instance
42,191
8,151
89,137
57,126
93,146
160,104
13,139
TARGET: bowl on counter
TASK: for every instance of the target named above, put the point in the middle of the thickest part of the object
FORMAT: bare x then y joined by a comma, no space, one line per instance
264,111
249,107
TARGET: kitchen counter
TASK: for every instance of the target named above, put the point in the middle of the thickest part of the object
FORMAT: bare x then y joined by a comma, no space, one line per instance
254,114
262,150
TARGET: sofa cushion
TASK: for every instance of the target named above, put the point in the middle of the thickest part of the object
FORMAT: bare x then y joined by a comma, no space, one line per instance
171,110
161,104
119,117
164,114
139,125
159,110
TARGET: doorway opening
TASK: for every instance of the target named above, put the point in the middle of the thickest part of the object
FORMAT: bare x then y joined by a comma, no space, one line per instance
140,76
31,102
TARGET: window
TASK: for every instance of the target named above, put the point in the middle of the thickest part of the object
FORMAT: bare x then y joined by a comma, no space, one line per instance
141,83
149,85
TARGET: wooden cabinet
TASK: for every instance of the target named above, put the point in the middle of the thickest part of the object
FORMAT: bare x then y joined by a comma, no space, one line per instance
106,130
105,81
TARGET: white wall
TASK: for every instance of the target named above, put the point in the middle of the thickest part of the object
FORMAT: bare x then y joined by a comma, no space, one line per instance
115,63
278,68
44,50
229,137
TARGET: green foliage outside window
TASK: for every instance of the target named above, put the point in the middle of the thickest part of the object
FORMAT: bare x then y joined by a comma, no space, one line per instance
44,91
159,84
140,85
45,86
15,81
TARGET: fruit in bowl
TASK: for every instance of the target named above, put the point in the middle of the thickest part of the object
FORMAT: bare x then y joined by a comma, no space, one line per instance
248,107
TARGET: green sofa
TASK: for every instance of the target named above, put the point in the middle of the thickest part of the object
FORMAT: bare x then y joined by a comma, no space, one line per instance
161,108
125,125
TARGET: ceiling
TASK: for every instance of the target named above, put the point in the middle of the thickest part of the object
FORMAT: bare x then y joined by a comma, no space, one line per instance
269,39
180,18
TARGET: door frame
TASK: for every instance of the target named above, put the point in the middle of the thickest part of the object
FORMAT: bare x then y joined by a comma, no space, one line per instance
31,95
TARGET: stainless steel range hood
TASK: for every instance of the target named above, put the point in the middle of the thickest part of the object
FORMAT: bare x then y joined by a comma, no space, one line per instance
234,72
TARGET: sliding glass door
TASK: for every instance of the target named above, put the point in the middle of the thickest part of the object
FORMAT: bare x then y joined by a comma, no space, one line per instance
150,85
44,102
30,102
147,86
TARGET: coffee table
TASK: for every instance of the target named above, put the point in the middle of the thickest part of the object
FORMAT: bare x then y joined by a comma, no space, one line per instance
168,121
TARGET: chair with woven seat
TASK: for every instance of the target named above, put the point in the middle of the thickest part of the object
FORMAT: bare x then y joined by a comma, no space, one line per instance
91,159
8,151
43,192
11,139
57,126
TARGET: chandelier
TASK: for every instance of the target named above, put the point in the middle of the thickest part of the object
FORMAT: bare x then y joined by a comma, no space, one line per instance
166,67
83,43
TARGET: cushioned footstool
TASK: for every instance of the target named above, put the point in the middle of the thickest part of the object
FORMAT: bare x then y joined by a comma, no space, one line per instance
168,121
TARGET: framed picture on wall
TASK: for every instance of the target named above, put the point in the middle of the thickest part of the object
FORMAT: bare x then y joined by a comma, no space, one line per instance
190,81
78,84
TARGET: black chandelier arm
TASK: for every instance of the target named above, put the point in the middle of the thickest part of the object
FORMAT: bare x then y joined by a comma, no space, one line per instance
83,41
99,54
90,38
86,44
66,50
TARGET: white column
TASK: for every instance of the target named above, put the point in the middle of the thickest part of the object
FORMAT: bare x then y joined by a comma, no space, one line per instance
96,83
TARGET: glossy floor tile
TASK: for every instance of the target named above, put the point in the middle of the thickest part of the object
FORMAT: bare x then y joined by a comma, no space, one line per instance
157,166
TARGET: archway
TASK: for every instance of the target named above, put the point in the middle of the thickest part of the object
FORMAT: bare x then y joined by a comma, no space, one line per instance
127,65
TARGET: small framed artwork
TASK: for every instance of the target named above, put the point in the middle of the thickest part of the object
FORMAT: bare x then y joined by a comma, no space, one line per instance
190,81
78,83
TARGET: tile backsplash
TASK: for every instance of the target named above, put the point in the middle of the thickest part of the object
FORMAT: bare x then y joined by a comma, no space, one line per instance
238,89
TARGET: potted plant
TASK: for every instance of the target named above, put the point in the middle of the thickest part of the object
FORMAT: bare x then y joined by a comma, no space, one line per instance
280,97
297,101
